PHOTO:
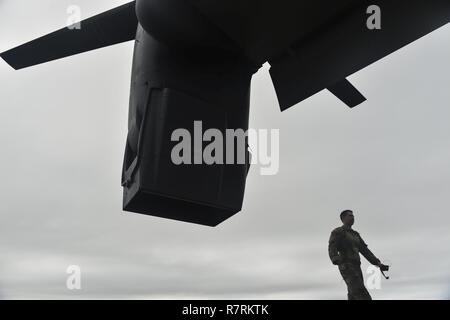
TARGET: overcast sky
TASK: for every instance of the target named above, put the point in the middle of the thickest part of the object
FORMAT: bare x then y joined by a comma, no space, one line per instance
63,128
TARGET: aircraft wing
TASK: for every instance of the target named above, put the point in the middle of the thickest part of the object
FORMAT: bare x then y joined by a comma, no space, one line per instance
315,44
108,28
326,58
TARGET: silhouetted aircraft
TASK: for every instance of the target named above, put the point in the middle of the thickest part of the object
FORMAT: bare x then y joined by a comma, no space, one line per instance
194,60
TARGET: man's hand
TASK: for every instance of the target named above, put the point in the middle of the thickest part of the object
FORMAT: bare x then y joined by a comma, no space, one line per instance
383,267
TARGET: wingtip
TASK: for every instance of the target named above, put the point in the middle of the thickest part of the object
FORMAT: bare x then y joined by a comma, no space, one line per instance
6,57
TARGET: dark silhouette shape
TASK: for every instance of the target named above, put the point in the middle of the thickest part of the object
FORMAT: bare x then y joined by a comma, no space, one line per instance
344,247
194,60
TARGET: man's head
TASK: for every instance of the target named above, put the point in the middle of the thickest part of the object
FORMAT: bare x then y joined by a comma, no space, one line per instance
347,218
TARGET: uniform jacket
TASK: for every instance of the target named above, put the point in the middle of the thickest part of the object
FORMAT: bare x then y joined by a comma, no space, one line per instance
344,246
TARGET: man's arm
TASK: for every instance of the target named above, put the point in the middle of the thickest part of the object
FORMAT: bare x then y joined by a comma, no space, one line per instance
367,253
332,247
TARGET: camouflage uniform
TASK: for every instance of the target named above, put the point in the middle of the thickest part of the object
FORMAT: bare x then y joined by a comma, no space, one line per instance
343,248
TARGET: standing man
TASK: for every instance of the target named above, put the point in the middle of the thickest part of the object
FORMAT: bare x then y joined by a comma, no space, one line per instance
344,247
